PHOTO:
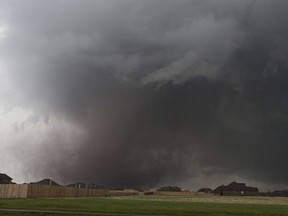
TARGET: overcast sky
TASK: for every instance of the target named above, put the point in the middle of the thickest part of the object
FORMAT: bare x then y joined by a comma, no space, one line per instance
141,93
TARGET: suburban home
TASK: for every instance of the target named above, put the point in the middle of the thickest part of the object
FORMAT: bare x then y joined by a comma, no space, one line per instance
46,182
280,193
235,188
5,179
205,190
78,185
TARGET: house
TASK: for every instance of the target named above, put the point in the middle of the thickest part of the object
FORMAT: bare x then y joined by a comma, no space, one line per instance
205,190
282,193
78,185
235,188
5,179
169,189
46,182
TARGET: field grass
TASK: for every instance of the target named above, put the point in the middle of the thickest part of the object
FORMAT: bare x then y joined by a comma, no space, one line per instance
151,205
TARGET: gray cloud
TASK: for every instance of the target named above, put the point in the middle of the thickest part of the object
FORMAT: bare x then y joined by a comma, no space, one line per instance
162,89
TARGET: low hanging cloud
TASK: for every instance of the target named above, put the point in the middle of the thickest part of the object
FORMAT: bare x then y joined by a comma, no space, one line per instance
138,93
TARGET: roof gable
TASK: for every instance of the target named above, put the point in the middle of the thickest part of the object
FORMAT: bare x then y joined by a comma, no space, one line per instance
3,176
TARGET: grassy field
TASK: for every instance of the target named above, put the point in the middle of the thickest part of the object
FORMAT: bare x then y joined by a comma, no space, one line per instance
150,205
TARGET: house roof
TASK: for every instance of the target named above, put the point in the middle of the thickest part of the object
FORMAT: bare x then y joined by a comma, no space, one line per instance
78,185
205,190
46,182
4,176
234,186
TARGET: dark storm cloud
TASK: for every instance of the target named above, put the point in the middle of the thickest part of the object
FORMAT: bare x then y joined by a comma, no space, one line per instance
161,88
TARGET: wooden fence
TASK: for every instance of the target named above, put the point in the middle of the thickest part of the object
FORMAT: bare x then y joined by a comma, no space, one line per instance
46,191
13,190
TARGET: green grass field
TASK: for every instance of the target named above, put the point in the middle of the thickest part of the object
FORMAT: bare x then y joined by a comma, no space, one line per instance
150,205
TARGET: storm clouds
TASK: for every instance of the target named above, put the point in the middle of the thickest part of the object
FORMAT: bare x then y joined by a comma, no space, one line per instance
138,93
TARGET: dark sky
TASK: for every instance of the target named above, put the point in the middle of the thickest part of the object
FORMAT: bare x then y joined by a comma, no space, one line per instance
140,93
